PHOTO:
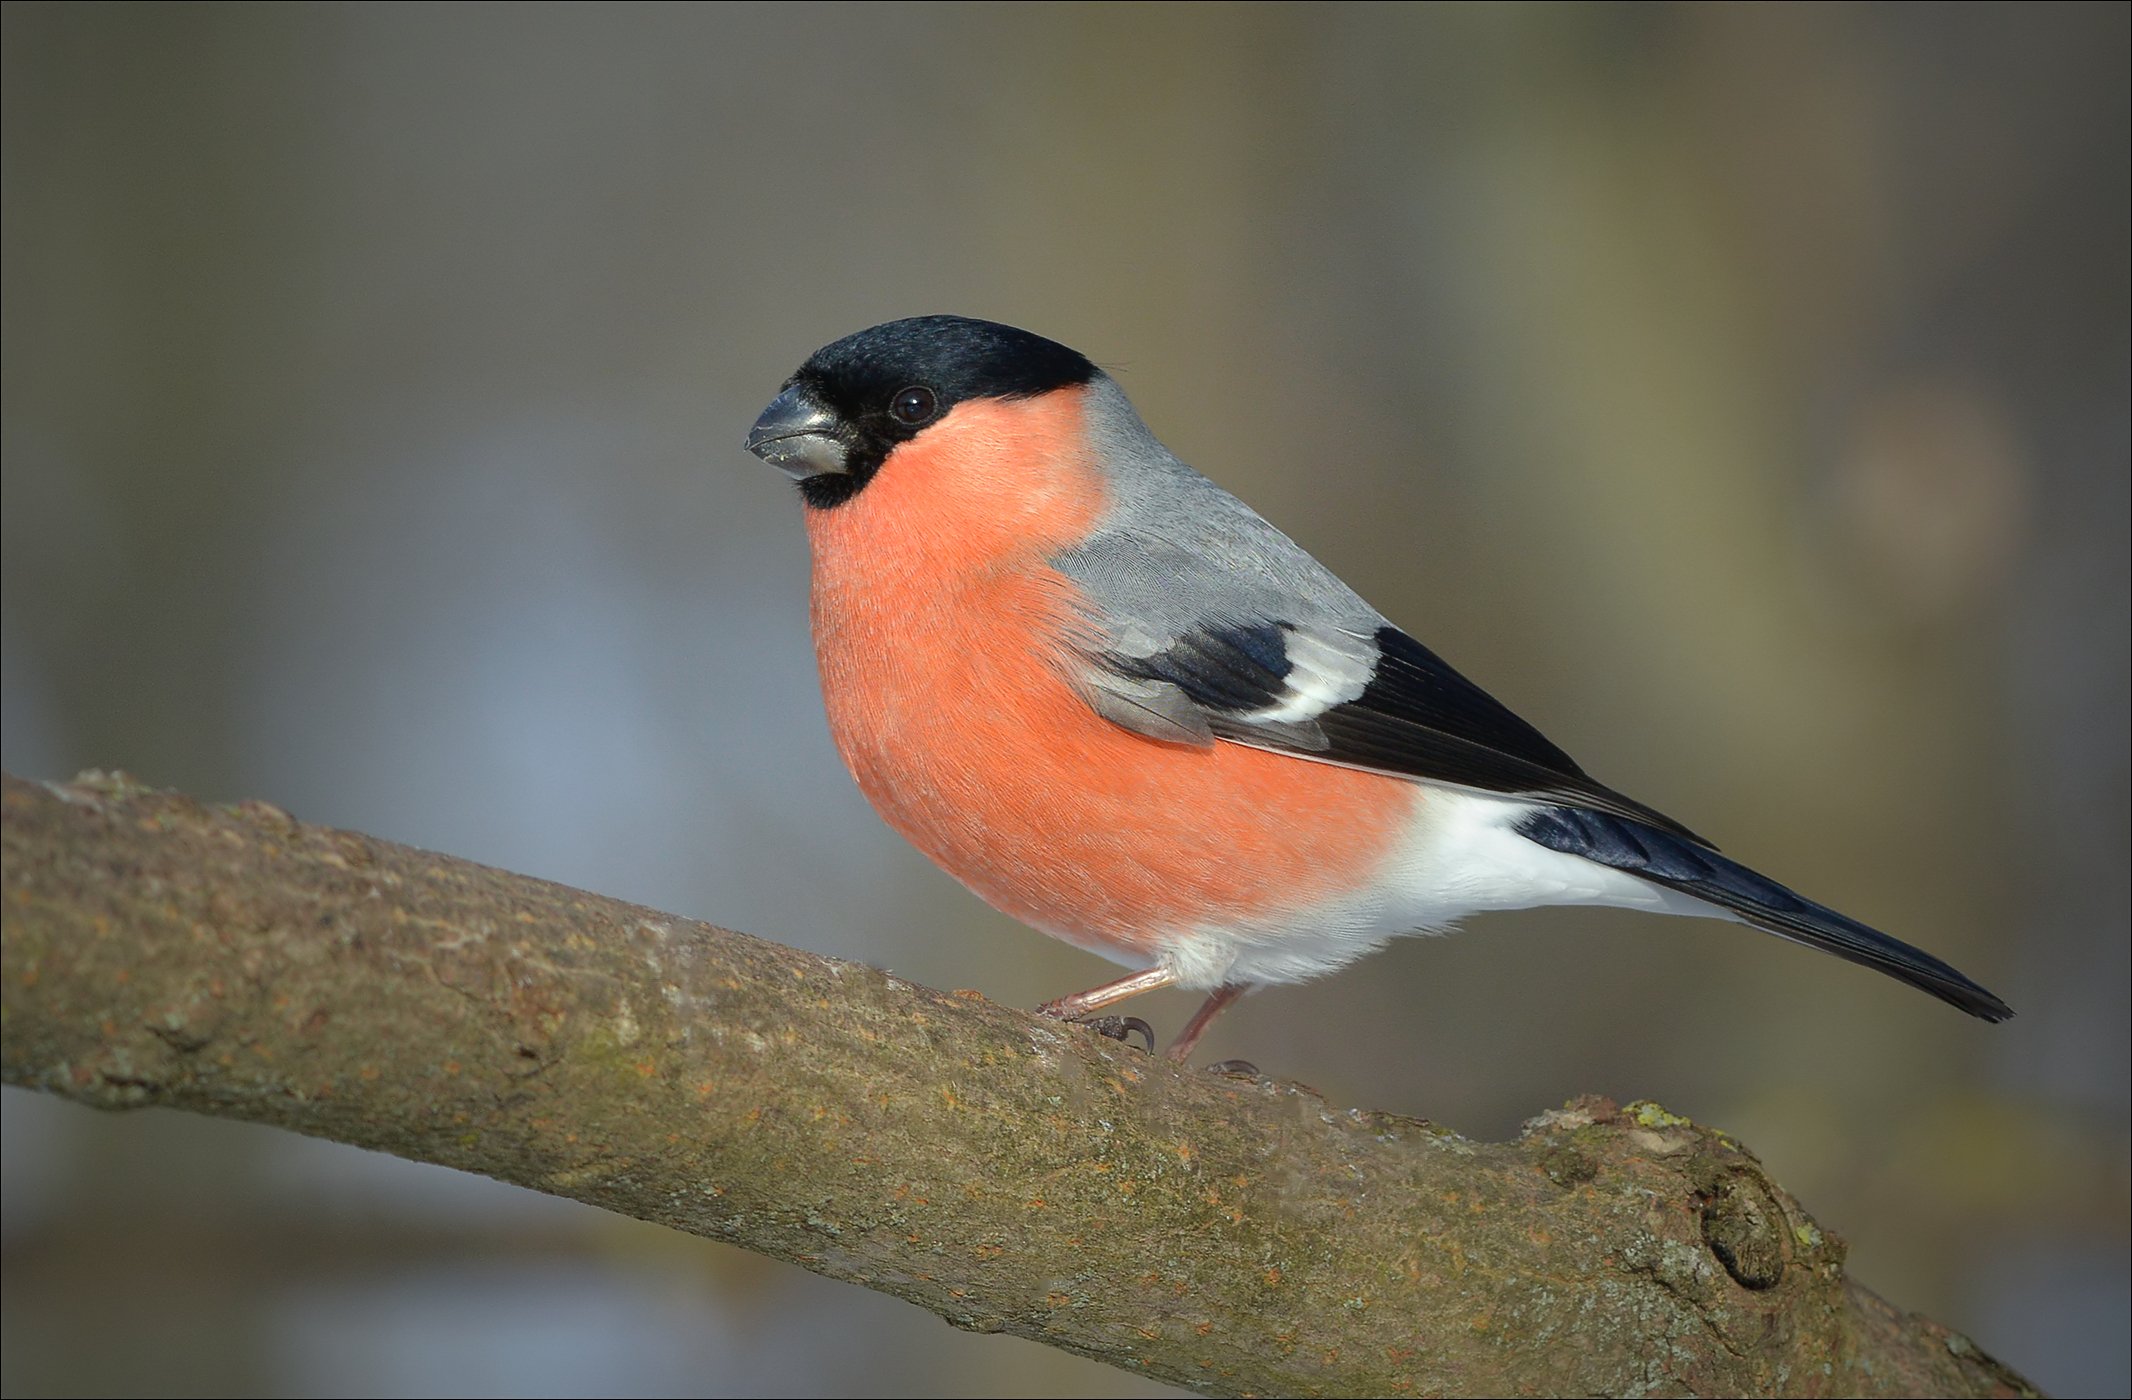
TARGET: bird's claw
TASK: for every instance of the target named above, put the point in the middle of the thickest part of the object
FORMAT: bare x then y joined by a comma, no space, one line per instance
1121,1028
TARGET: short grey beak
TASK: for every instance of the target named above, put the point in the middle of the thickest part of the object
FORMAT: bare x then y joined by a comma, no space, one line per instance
797,436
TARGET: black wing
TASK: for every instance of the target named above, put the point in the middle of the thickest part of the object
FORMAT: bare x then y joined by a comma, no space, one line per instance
1415,717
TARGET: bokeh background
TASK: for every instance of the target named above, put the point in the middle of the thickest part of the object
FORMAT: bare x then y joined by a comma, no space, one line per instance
1738,392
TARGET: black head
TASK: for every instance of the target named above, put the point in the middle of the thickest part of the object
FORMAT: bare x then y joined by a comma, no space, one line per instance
857,399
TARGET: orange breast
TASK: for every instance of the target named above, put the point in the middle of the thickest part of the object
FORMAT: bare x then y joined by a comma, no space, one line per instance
940,629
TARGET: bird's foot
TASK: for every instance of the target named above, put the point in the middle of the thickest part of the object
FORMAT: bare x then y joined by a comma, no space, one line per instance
1118,1028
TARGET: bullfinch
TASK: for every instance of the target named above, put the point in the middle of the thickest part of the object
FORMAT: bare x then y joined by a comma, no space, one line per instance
1117,704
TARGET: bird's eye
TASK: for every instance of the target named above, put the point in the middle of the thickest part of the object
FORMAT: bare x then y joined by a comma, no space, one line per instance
913,406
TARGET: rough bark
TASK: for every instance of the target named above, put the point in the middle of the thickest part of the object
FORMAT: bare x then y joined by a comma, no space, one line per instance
1009,1174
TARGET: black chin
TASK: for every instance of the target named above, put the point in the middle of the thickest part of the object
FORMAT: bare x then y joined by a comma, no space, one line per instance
827,490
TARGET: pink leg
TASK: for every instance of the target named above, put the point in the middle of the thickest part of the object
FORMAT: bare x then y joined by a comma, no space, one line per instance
1079,1004
1196,1027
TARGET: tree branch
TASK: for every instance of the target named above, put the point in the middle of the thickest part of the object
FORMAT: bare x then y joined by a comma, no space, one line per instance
1007,1173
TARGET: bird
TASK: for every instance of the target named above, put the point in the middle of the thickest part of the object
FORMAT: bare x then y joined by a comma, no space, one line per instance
1120,706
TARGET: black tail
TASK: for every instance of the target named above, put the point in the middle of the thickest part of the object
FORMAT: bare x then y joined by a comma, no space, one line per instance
1668,860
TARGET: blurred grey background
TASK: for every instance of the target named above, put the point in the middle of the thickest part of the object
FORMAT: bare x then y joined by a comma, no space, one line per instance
1738,392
